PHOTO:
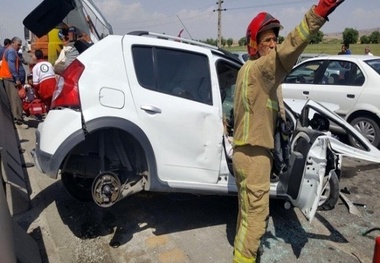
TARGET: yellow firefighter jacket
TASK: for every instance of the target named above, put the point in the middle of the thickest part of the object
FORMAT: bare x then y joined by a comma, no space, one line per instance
255,100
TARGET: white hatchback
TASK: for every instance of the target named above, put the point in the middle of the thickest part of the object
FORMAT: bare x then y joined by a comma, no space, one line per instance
350,81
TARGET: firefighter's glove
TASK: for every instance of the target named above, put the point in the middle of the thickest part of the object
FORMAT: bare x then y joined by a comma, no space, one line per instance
326,7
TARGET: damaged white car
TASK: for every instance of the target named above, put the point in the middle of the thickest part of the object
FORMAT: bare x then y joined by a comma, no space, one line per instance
148,114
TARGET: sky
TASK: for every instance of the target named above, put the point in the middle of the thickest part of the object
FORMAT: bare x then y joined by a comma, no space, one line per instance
198,17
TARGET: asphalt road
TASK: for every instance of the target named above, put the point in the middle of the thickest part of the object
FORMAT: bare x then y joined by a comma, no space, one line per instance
178,228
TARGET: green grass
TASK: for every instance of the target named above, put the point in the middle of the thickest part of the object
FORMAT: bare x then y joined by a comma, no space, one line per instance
334,48
330,48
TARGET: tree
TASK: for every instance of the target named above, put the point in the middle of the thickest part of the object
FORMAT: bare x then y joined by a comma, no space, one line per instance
223,42
350,36
364,39
230,41
243,41
316,38
281,39
375,37
211,41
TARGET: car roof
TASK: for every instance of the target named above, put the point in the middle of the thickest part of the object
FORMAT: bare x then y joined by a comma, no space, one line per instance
345,57
175,40
313,54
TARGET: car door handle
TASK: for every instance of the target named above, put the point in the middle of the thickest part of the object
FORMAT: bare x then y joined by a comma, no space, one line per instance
150,109
305,92
351,96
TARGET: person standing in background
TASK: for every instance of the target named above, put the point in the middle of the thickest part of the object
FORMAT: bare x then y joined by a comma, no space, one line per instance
68,35
342,50
345,50
367,51
7,42
348,51
9,72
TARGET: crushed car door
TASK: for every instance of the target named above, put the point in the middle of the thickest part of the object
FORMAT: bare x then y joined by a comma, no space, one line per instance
303,181
310,158
366,151
172,89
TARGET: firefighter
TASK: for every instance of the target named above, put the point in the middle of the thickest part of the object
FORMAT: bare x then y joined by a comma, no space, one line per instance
255,112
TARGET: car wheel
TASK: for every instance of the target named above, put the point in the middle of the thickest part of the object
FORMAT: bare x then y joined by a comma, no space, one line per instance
330,193
368,128
78,187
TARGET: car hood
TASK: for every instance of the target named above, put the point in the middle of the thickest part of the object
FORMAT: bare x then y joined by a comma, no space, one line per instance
83,14
367,152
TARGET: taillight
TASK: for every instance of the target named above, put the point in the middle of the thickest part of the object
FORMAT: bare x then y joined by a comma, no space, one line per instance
67,91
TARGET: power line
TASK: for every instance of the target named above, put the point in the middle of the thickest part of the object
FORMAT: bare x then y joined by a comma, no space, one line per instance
184,27
266,5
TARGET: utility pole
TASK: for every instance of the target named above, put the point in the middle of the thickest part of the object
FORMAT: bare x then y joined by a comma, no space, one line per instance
220,22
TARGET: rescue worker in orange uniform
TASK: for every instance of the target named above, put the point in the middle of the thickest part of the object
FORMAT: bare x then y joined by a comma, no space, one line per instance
255,111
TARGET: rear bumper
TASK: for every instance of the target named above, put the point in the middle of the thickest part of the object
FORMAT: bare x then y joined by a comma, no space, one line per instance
43,161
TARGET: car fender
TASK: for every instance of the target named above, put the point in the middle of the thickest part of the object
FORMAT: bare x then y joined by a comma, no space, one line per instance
363,107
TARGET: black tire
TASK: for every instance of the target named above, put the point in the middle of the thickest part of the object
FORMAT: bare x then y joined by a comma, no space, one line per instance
78,187
369,128
330,194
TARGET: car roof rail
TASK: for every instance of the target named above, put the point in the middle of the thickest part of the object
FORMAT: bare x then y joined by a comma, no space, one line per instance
168,37
184,40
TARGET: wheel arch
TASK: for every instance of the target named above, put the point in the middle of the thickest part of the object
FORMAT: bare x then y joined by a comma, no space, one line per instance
97,125
361,113
370,115
139,136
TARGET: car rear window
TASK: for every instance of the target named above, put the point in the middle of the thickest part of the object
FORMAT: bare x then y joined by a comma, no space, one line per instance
375,64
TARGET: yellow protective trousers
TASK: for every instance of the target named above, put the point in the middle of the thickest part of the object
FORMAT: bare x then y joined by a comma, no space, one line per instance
252,167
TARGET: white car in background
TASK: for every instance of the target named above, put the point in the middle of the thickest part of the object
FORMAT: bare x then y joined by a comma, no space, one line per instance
241,55
350,81
305,56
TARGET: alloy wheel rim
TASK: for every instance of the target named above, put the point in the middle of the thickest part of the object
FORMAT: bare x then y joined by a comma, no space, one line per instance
366,129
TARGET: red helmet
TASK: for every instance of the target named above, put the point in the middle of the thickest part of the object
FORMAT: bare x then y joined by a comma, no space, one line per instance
261,22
